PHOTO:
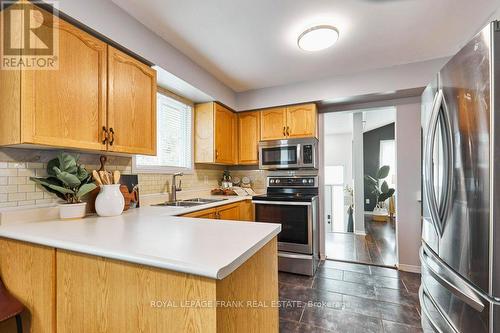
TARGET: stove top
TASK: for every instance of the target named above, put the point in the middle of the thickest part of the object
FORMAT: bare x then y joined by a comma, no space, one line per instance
293,188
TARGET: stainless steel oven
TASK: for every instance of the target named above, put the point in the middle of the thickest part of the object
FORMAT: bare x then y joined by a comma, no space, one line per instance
289,154
293,203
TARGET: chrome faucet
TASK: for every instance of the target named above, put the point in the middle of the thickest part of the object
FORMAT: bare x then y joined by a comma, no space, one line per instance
176,188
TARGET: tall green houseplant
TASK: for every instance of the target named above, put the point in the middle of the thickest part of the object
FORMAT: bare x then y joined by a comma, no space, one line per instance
379,187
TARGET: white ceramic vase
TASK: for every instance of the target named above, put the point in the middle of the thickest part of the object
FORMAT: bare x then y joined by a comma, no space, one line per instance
72,211
109,201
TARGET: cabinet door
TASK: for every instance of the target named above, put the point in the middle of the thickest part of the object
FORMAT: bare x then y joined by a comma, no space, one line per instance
225,136
229,212
273,124
67,107
10,93
131,105
246,211
249,137
301,121
202,214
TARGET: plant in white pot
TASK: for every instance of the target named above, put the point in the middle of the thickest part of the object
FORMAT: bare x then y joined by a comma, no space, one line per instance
69,181
379,187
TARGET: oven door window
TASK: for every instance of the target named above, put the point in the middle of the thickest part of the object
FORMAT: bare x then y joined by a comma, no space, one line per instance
293,220
279,155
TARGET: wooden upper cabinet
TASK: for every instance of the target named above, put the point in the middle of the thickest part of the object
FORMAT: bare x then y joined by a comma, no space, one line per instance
248,137
297,121
301,121
131,105
273,124
67,107
94,87
225,136
215,134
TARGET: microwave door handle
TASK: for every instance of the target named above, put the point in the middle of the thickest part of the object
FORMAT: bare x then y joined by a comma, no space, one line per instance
299,155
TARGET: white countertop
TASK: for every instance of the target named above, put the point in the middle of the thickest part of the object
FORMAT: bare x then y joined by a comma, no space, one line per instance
154,236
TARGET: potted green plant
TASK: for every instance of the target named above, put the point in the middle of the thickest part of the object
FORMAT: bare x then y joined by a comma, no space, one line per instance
379,187
69,181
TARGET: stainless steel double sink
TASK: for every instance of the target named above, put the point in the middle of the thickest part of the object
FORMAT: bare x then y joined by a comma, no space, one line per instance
189,202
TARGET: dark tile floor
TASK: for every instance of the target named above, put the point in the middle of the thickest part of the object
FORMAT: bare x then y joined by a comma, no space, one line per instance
345,298
378,247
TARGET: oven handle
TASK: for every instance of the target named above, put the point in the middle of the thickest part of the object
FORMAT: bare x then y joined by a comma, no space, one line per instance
288,203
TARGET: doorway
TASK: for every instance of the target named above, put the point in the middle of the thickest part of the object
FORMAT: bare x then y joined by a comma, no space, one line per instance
367,235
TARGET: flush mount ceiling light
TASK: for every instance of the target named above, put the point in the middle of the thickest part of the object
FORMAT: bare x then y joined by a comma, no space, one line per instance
318,38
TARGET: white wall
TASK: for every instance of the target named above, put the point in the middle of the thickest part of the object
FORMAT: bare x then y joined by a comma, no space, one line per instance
408,185
338,151
114,23
358,173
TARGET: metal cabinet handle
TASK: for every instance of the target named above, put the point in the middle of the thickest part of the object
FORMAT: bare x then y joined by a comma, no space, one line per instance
216,154
287,131
284,130
445,277
112,136
104,135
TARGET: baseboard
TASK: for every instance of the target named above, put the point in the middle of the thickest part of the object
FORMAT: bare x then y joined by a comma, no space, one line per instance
408,268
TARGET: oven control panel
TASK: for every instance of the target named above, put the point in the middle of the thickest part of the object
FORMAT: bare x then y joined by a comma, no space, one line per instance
305,181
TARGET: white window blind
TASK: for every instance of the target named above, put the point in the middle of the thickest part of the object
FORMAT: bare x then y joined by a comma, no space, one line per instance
174,138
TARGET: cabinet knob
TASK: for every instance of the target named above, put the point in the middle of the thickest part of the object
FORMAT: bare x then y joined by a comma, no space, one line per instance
104,135
112,136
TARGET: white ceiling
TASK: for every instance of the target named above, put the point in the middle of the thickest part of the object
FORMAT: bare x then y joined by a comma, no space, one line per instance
341,122
252,44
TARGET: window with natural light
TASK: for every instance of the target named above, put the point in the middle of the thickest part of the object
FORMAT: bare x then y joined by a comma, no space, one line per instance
174,138
388,157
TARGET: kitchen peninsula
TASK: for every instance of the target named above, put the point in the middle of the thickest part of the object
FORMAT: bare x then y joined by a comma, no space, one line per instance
144,271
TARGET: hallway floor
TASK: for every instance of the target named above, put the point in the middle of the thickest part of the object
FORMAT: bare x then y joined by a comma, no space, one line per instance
345,297
378,247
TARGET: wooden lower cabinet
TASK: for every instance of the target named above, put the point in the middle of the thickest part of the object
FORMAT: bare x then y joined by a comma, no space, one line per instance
203,214
95,294
239,211
229,212
29,273
247,212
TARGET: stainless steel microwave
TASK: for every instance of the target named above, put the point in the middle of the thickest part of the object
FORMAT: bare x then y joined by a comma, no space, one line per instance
289,154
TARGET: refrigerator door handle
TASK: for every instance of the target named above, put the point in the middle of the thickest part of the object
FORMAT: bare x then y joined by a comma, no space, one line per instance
447,279
423,294
428,173
438,210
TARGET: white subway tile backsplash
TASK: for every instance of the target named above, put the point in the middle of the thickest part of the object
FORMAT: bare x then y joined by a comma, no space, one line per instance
8,188
16,165
17,180
26,188
17,189
34,165
8,172
17,196
34,196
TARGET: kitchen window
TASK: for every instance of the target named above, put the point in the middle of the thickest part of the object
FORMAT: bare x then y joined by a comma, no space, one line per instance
174,137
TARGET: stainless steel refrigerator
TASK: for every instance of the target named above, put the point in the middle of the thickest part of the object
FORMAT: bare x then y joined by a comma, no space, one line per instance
460,254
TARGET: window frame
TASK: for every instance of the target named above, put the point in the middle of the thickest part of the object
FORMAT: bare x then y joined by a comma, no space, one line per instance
169,169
